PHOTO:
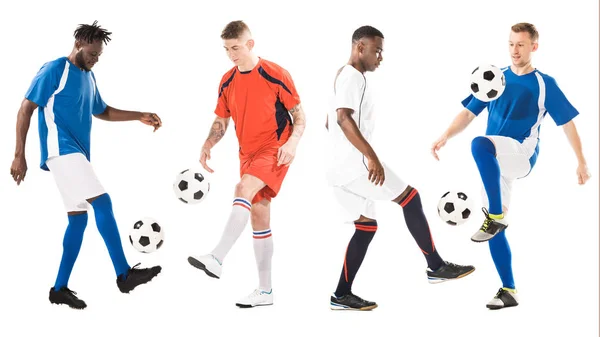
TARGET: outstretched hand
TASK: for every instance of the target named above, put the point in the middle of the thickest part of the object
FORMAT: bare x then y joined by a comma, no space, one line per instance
437,145
151,119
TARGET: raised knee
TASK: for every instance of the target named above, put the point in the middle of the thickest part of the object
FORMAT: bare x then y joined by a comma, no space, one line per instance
482,144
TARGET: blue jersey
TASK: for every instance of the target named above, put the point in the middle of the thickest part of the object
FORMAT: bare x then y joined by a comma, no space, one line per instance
519,111
67,97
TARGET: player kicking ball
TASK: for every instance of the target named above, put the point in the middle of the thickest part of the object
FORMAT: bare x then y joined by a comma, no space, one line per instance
510,147
66,95
260,97
359,178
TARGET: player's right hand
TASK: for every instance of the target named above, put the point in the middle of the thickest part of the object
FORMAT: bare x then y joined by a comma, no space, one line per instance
204,156
376,172
18,169
437,145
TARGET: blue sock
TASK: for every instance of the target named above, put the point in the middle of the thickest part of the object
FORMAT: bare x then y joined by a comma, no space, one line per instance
484,154
502,257
107,226
71,246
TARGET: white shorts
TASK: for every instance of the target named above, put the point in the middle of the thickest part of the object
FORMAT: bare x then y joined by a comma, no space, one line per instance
513,158
359,195
75,179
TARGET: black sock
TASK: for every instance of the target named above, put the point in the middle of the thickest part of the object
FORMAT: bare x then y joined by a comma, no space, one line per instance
355,254
419,228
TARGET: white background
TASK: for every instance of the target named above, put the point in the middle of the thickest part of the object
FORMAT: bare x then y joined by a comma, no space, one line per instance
168,59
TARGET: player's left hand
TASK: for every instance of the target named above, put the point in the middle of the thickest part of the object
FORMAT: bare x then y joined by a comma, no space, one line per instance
151,119
286,154
583,175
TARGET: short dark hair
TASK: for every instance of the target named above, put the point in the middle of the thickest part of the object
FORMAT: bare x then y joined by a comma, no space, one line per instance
91,33
234,30
366,31
526,27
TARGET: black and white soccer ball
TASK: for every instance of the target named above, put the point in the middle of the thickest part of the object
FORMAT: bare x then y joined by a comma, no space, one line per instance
146,235
455,208
487,83
191,187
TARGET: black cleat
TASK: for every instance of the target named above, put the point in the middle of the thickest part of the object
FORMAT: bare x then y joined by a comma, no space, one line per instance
135,277
66,296
503,299
449,271
351,302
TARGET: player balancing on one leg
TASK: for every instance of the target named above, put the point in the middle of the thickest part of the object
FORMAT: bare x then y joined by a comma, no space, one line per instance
259,96
359,178
510,148
66,95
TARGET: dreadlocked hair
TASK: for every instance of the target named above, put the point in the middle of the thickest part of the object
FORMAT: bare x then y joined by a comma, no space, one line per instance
91,33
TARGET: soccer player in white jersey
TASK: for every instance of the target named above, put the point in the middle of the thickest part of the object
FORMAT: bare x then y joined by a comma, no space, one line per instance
359,178
509,149
66,95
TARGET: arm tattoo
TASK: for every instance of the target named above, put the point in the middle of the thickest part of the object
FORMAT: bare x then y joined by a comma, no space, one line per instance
217,131
299,121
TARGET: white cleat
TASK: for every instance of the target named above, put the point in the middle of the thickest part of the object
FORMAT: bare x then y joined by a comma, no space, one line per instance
256,298
208,263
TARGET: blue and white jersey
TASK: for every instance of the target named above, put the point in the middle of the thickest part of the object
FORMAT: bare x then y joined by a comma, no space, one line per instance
519,111
67,97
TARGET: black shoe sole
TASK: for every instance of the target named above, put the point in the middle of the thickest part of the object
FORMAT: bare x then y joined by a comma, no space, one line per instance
344,308
497,307
436,281
70,306
246,306
201,266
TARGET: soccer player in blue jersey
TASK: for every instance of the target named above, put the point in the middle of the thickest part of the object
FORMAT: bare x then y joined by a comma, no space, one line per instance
65,93
510,147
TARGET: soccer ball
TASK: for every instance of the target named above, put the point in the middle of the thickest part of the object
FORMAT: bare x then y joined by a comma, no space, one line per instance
454,208
146,235
487,82
191,187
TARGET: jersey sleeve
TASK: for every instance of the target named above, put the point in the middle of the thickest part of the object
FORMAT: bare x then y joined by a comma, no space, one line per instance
474,105
349,91
557,104
287,92
99,105
44,84
222,110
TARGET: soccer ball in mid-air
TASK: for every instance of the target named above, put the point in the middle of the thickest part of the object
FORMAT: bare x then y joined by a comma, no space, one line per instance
146,235
487,83
191,187
455,208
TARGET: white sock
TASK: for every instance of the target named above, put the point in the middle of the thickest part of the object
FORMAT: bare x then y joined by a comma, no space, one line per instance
263,252
240,213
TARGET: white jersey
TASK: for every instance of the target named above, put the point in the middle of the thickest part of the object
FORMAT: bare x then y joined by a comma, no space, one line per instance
351,91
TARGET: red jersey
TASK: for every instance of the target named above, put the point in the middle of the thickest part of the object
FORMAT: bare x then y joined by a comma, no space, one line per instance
258,101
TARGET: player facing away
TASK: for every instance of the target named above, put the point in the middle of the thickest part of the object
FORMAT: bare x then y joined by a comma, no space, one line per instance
66,95
510,147
359,178
260,97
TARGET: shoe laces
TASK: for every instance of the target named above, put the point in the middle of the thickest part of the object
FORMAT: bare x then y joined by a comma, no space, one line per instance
69,291
500,292
487,221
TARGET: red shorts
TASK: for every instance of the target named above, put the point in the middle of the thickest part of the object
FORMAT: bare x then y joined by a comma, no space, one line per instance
263,165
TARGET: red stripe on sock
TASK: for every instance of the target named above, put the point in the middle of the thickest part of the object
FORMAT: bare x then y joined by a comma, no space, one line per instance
262,237
346,268
241,204
409,198
366,228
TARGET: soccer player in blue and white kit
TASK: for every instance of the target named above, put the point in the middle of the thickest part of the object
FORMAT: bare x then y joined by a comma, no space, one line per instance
510,147
66,95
